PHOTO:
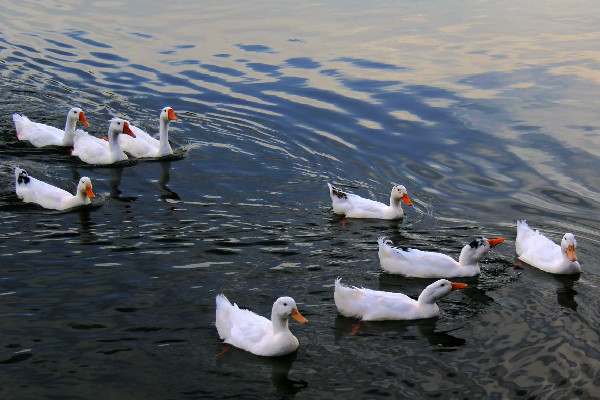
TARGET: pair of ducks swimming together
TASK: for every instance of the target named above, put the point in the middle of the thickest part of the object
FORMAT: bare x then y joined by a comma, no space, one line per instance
258,335
122,137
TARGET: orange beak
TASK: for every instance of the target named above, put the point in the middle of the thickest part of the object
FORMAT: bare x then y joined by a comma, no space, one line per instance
406,200
457,286
298,317
127,130
88,191
571,253
494,242
82,119
171,114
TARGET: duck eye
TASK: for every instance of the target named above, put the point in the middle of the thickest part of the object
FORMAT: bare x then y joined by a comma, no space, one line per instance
285,304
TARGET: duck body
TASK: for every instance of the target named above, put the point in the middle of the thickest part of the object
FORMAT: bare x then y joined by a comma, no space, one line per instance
540,252
353,206
41,135
376,305
145,146
427,264
254,333
96,151
32,190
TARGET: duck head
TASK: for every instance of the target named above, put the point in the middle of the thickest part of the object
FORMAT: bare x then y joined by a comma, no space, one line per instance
84,188
439,289
399,193
568,245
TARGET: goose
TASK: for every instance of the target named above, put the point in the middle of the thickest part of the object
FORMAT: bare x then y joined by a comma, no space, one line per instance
32,190
540,252
95,151
256,334
40,135
145,145
427,264
376,305
353,206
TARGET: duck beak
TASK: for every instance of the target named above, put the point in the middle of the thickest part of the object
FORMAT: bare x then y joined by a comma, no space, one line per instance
457,286
298,317
82,119
127,130
571,253
406,200
494,242
89,192
171,114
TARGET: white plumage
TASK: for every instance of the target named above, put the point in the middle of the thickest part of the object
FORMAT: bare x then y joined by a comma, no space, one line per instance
376,305
353,206
95,151
538,251
32,190
41,135
254,333
145,145
428,264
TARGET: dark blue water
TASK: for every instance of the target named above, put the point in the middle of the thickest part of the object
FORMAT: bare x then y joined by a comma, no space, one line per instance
487,113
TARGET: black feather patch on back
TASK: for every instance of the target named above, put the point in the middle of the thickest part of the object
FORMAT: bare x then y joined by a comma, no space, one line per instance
23,178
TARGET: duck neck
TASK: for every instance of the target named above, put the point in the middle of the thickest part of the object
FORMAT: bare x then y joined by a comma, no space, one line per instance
67,139
395,202
164,148
279,324
466,259
116,154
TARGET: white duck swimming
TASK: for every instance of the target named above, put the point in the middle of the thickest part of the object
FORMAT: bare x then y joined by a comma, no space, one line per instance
145,145
427,264
538,251
256,334
376,305
32,190
353,206
40,135
95,151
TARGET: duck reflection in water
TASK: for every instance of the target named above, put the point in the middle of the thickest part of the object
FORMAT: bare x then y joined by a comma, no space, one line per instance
165,167
442,340
565,293
280,368
116,174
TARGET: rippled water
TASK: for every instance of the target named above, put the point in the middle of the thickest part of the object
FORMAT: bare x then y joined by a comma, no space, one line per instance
486,112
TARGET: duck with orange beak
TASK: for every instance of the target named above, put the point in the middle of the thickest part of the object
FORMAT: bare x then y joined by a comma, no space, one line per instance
427,264
540,252
93,150
376,305
32,190
256,334
354,206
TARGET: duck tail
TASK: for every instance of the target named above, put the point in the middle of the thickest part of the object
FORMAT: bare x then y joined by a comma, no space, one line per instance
385,246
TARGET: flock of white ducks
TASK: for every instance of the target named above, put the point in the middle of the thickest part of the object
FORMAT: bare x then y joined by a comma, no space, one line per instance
254,333
258,335
122,138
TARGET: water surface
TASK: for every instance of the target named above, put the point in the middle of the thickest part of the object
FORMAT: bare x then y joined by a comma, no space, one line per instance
486,112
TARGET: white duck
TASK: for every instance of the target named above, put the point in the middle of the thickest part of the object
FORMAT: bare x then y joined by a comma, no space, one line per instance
256,334
353,206
32,190
538,251
95,151
145,145
40,135
428,264
376,305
